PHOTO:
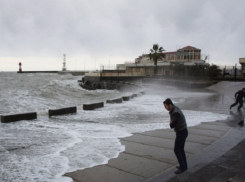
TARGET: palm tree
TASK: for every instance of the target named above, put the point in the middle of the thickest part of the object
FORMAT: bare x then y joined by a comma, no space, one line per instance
155,53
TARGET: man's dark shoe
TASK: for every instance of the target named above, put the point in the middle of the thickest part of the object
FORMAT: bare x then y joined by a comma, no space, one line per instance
178,167
241,123
180,171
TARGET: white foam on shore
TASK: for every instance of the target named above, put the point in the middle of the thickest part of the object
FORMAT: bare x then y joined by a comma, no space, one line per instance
60,146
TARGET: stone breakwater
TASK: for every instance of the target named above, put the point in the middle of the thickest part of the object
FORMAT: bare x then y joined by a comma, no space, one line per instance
98,82
109,85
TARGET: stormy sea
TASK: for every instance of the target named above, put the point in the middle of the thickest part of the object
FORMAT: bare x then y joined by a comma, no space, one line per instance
46,148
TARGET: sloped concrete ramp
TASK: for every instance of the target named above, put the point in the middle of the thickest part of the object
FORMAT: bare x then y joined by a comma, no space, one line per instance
150,153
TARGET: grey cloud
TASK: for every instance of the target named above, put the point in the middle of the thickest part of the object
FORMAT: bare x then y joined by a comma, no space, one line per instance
122,27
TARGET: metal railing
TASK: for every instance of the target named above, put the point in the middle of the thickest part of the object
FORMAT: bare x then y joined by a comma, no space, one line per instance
231,70
108,67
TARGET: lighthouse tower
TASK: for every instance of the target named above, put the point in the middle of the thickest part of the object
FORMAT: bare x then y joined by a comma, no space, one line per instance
20,69
64,63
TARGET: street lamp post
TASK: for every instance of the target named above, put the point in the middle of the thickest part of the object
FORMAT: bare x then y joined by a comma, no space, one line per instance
95,62
84,64
109,61
204,70
235,71
173,69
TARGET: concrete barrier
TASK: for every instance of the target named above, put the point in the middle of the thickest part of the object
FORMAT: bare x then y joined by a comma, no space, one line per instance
114,101
127,98
62,111
93,106
18,117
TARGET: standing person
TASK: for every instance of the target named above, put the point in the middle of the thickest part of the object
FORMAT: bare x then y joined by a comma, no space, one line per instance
239,99
178,122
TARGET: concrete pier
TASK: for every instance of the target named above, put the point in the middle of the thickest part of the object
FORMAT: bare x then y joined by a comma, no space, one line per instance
22,72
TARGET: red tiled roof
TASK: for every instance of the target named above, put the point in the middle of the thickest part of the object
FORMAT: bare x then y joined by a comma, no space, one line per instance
189,48
169,52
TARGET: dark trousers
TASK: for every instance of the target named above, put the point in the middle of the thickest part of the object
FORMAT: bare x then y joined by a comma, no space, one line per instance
179,148
240,104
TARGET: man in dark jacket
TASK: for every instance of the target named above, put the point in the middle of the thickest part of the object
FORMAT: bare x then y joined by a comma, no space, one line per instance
239,98
178,122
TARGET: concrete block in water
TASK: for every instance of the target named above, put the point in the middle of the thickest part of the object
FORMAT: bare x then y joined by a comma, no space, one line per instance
62,111
114,101
18,117
93,106
127,98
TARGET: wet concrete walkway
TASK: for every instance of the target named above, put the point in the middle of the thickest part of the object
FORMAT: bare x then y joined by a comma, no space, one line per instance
149,156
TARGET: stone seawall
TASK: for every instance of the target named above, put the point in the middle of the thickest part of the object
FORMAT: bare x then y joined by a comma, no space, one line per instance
108,84
180,82
117,82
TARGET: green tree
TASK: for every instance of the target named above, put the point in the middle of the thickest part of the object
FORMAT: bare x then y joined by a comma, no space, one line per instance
204,70
179,69
214,70
156,53
196,70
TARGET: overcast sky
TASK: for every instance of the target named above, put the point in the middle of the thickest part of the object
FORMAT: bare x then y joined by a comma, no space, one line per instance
94,32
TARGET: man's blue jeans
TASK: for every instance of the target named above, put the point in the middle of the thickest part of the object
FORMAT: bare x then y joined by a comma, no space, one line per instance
179,148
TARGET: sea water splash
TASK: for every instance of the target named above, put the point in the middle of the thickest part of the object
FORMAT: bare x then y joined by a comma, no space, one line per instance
45,148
